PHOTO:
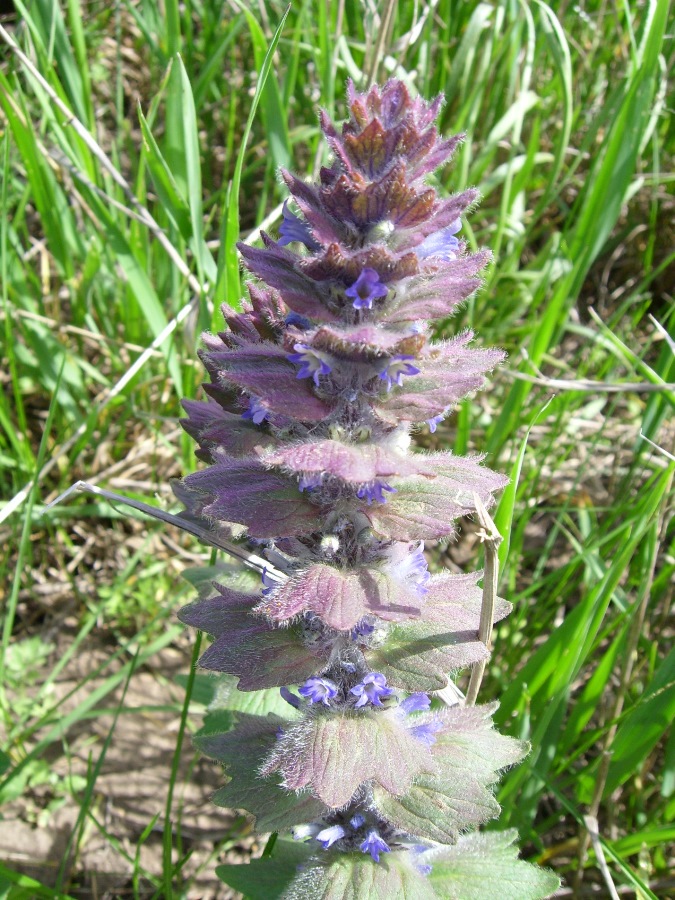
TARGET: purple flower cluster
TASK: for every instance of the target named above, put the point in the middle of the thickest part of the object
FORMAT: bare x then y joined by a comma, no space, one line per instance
314,391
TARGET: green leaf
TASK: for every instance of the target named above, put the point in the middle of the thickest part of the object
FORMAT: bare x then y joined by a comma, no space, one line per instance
273,114
228,288
167,190
256,703
417,656
266,879
468,754
5,762
183,159
503,518
643,725
142,288
243,750
230,575
485,866
203,688
17,886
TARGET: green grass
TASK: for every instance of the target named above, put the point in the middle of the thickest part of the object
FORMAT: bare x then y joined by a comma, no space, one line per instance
195,106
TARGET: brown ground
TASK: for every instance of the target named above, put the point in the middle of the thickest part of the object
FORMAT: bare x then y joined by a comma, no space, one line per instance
129,791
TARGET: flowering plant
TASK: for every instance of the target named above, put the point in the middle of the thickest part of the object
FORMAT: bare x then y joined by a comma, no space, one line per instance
314,391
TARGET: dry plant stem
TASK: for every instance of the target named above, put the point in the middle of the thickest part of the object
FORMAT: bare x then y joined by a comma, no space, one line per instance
249,559
82,132
591,386
662,450
591,824
62,328
382,39
491,538
320,150
629,658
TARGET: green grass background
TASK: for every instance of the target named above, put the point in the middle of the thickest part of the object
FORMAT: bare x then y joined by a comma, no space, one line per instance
565,110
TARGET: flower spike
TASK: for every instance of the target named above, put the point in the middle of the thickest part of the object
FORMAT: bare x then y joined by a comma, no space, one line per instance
314,392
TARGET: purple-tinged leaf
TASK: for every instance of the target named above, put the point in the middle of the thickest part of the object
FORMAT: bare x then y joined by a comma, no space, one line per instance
376,264
341,598
449,373
439,290
424,508
246,646
442,215
334,754
279,269
462,474
417,656
214,428
269,504
325,228
365,343
262,657
455,601
265,371
214,614
353,463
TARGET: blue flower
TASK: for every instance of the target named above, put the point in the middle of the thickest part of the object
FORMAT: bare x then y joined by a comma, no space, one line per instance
374,490
419,702
427,733
290,697
417,570
371,689
415,703
357,821
269,583
417,853
329,835
396,368
301,322
441,244
309,482
434,420
374,845
363,628
365,289
314,363
293,228
318,690
256,411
